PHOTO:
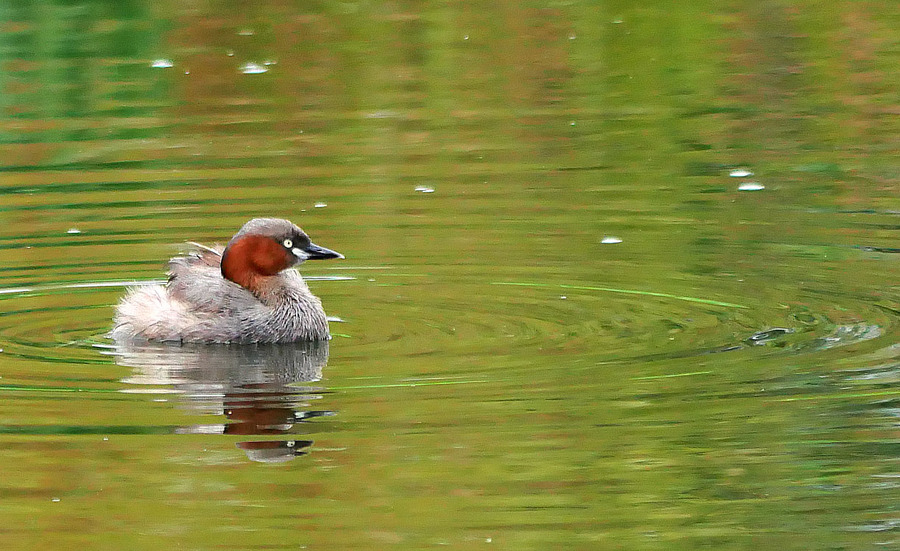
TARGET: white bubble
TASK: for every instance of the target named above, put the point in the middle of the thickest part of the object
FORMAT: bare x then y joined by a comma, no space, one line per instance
162,63
73,230
424,189
253,68
740,173
321,205
751,186
610,240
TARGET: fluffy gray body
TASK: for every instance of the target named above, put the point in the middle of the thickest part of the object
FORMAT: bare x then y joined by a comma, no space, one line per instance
199,305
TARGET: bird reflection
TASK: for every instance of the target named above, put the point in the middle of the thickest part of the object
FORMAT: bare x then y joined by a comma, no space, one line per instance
254,386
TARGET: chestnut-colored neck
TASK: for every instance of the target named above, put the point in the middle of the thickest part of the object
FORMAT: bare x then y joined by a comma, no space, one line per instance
251,258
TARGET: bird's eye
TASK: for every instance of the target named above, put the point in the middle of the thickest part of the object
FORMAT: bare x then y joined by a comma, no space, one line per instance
288,243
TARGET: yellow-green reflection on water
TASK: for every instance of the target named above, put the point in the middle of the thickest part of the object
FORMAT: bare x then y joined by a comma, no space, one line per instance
618,276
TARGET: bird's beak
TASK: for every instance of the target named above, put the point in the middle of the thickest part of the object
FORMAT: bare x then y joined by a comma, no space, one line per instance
315,252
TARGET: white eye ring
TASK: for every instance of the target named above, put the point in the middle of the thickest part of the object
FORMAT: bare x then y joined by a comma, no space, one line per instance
288,243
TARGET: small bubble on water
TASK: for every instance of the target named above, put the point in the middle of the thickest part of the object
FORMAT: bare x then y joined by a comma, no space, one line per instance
562,297
764,337
230,53
617,21
55,500
740,173
571,123
572,37
381,114
610,240
246,32
424,189
466,37
253,68
162,63
73,230
321,205
751,186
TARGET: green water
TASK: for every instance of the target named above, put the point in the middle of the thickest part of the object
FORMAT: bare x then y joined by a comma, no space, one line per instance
566,320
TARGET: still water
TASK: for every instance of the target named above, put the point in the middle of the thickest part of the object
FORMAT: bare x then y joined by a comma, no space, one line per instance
618,276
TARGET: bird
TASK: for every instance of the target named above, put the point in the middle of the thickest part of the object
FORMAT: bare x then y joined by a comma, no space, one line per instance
246,292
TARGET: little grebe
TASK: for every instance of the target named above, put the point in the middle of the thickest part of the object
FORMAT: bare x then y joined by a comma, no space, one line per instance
245,293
